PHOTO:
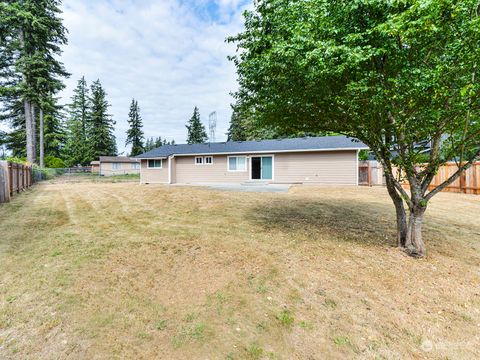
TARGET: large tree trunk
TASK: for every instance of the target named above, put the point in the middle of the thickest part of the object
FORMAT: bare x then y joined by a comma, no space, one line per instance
400,212
42,152
414,242
29,134
34,131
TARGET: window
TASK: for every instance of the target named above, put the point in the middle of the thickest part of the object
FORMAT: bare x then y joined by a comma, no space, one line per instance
116,166
237,163
203,160
135,166
155,164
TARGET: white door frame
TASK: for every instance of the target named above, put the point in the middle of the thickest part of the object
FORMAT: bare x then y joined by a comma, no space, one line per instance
251,167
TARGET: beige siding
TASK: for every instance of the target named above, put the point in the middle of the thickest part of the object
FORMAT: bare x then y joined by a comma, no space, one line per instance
106,169
187,172
154,175
327,167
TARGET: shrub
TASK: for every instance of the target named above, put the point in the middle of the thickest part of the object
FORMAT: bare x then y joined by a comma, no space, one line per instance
54,162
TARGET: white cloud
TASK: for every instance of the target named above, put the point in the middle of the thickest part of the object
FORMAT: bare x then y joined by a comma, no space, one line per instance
170,55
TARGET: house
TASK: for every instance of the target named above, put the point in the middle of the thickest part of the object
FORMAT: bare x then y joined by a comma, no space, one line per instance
118,165
95,167
321,160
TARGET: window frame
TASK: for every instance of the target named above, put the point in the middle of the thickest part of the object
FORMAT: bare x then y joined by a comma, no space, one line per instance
154,167
201,160
205,160
135,166
236,163
116,165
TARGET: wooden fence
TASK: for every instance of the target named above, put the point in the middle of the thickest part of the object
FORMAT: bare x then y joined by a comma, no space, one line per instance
14,178
371,173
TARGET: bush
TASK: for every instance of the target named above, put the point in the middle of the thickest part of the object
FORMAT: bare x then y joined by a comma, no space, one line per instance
54,162
18,160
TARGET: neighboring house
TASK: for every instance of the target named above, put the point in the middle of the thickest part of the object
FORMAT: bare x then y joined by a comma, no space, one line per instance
321,160
95,165
118,165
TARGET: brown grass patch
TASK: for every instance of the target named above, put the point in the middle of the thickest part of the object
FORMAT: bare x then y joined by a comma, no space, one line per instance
102,270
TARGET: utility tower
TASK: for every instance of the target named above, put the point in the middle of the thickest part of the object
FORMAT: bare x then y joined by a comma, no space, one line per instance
212,126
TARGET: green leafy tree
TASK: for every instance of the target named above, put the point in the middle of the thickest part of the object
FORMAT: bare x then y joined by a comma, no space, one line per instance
400,76
101,125
135,133
196,130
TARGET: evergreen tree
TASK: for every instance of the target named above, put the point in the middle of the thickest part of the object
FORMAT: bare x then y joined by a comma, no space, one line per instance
237,130
31,35
77,145
196,130
55,133
135,133
101,127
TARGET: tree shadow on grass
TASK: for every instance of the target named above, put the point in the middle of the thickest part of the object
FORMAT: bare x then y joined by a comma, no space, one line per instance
368,223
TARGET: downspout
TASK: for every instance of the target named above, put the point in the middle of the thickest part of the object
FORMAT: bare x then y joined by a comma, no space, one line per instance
170,159
356,166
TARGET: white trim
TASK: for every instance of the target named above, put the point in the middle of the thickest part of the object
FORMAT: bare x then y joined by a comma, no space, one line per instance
205,160
155,168
228,164
198,157
170,158
273,168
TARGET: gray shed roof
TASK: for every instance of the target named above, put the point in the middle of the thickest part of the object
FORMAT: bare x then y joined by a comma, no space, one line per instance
120,159
262,146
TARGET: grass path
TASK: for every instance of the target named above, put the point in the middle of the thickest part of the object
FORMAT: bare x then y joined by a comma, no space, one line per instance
119,270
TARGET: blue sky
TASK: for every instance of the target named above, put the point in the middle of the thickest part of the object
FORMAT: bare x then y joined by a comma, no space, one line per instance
170,55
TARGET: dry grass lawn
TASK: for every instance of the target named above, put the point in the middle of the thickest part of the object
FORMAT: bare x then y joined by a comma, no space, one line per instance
119,270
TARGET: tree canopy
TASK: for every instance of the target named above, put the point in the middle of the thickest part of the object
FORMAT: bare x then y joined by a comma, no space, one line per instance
135,133
401,76
196,130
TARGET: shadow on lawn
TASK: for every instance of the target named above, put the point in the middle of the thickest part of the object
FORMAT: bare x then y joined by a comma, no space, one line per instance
356,221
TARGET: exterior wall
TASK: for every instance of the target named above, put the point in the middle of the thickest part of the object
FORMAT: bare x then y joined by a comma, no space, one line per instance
187,172
323,167
106,169
95,169
153,176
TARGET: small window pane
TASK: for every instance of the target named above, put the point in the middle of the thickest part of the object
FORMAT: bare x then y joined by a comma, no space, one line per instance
241,163
232,163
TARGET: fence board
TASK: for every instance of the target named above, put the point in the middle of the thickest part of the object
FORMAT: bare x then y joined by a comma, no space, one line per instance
371,173
14,178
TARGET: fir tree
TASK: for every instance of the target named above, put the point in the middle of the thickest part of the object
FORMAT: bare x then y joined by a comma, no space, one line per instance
31,35
101,137
196,130
135,134
237,130
77,145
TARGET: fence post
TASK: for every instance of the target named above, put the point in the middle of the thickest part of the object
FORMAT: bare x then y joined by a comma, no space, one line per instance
4,181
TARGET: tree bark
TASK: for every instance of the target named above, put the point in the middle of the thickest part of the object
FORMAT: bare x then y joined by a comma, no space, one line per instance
42,144
28,131
400,212
33,132
414,242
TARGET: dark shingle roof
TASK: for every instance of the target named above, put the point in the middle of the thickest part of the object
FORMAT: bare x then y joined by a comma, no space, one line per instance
231,147
120,159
